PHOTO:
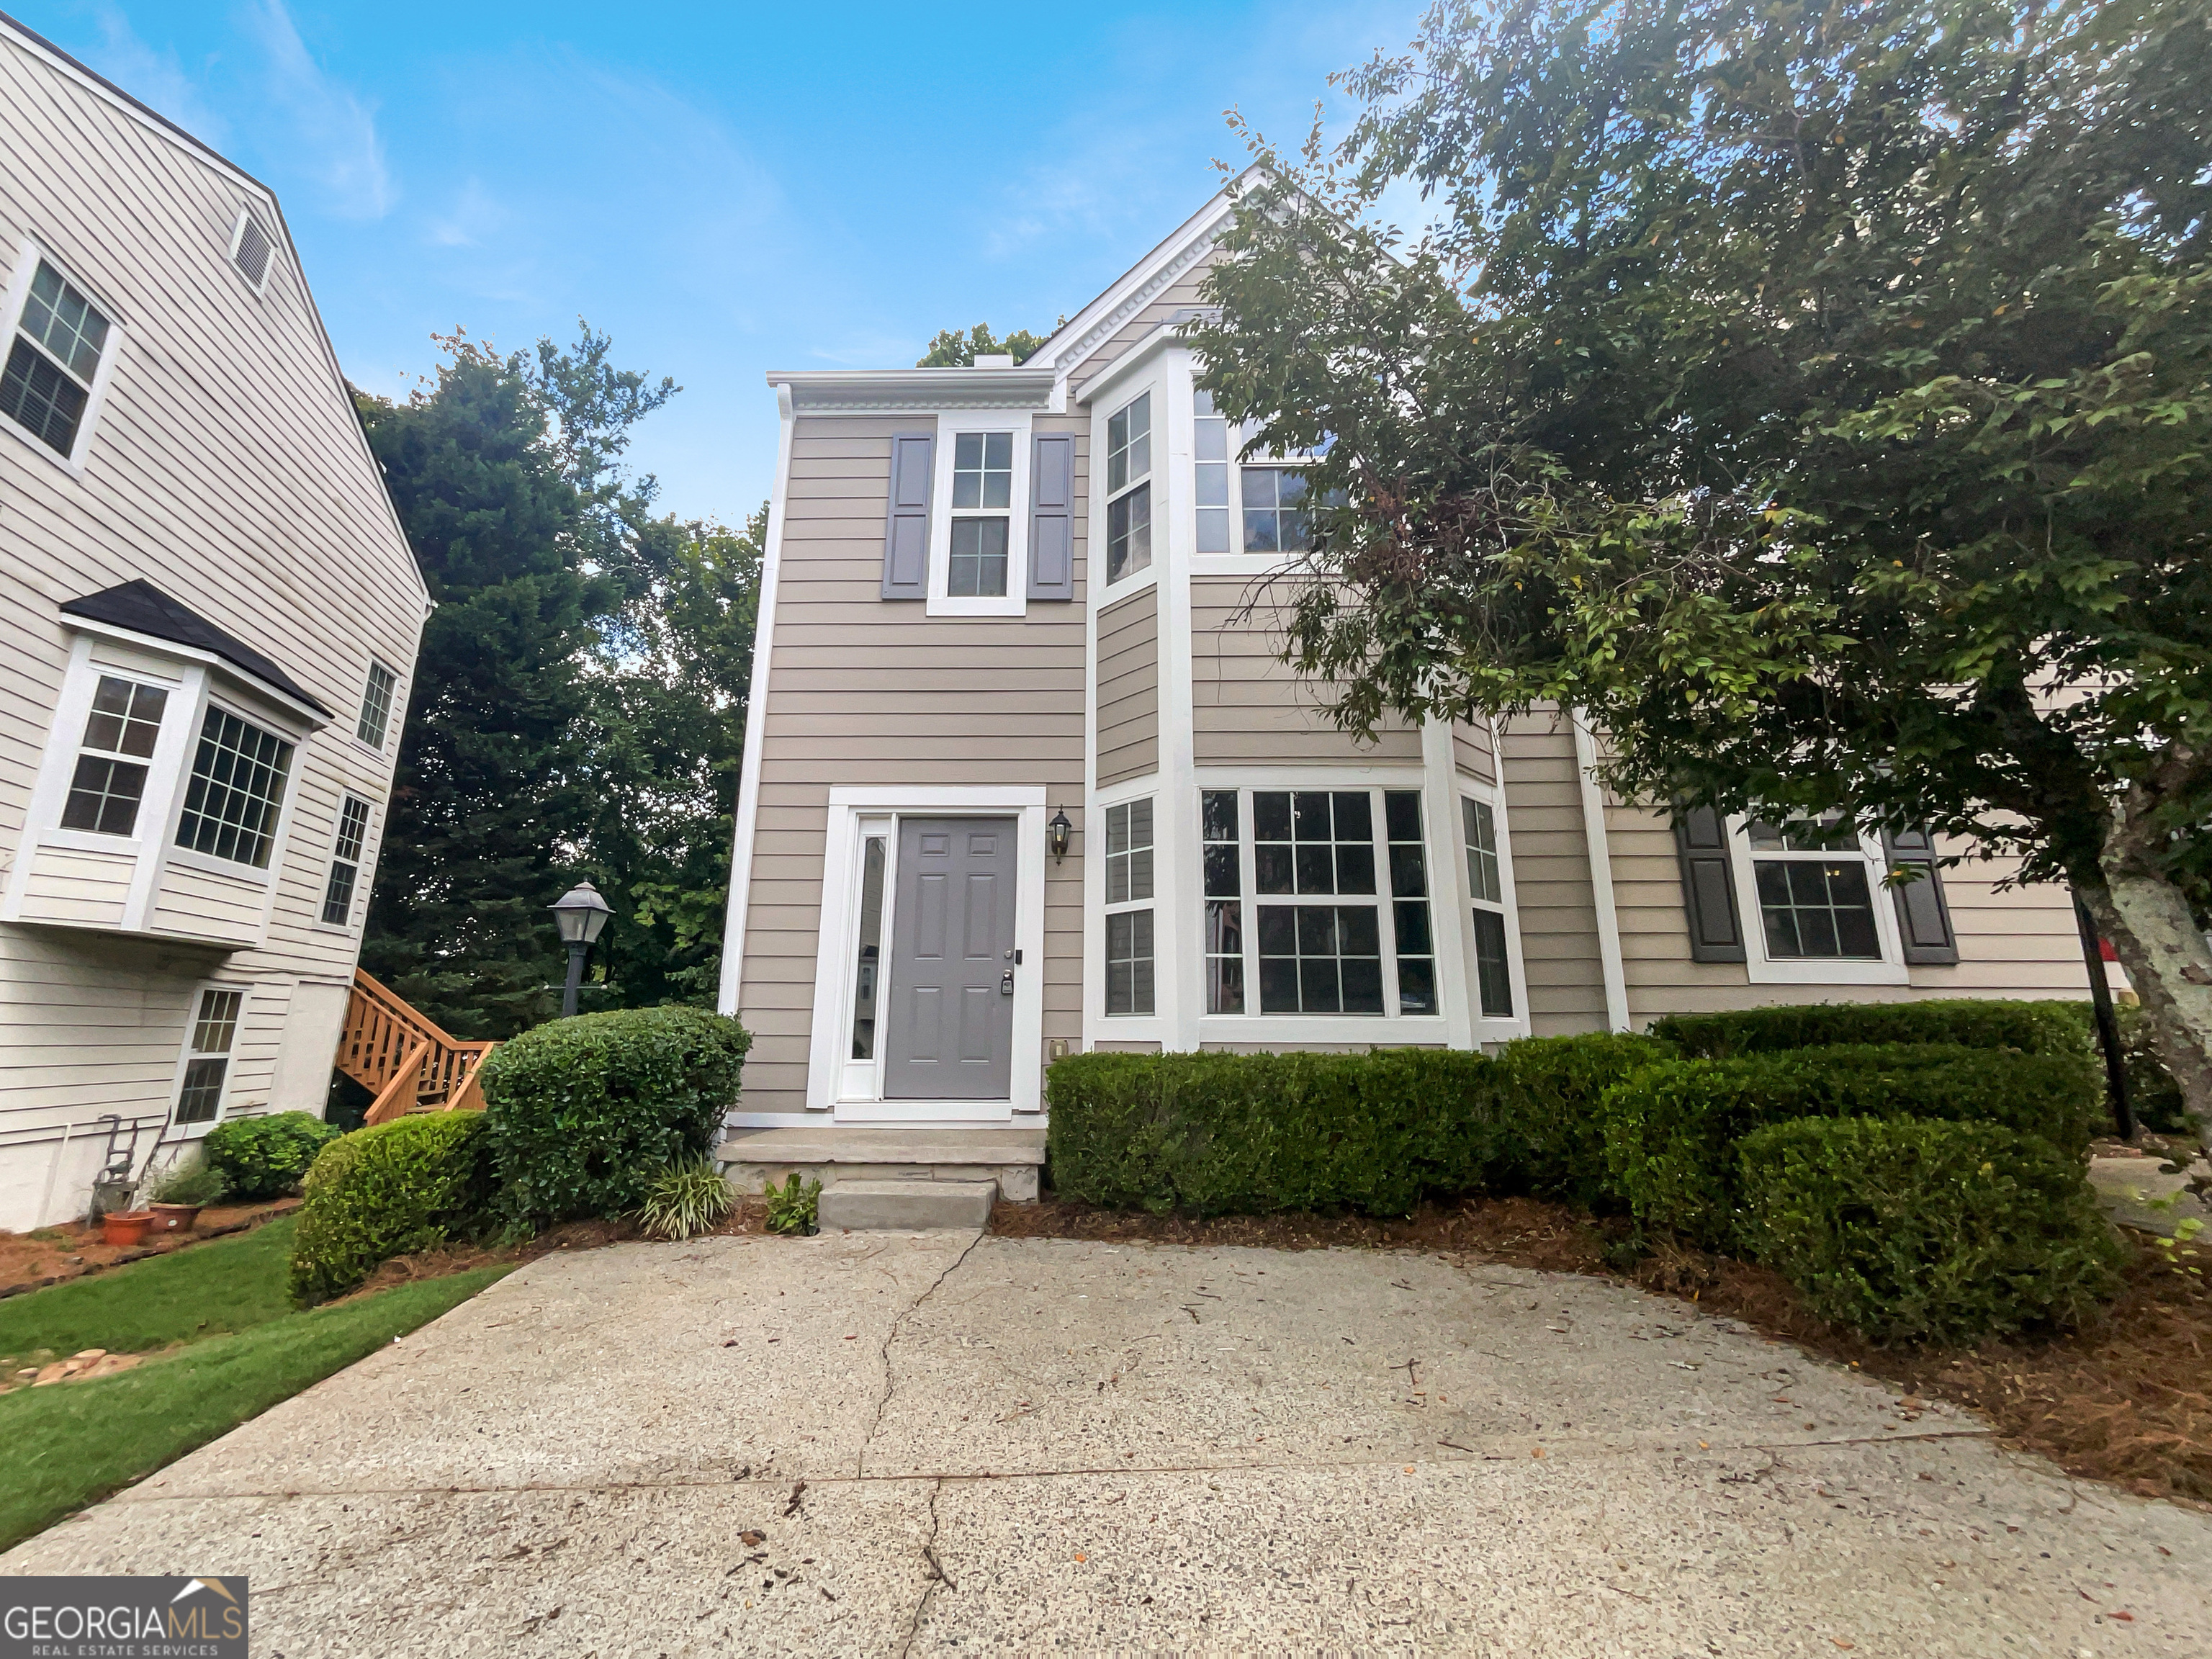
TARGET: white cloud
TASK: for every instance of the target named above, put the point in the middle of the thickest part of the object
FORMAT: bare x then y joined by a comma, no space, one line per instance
154,78
335,130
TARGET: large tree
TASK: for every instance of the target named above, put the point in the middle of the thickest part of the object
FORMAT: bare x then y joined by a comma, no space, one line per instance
577,708
1817,394
949,348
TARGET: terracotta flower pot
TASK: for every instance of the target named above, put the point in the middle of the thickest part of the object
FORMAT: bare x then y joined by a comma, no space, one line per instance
174,1218
124,1228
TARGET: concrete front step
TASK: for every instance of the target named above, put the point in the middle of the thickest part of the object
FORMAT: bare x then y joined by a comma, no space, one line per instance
905,1206
834,1155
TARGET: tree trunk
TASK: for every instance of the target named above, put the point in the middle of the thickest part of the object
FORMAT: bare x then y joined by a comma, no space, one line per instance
2148,920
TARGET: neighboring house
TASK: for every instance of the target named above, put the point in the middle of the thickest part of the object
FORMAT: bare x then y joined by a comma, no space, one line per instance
208,619
999,595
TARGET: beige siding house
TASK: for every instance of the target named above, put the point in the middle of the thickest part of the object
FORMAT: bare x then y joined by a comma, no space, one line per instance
1026,777
209,617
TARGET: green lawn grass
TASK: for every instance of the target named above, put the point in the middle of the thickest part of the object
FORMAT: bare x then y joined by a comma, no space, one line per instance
225,1284
73,1444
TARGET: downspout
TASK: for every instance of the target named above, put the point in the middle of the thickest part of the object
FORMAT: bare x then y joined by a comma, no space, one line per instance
1600,869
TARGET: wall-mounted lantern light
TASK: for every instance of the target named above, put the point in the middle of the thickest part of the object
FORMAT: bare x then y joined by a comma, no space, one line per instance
1057,832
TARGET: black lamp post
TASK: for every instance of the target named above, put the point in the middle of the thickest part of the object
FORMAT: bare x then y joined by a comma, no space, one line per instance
579,913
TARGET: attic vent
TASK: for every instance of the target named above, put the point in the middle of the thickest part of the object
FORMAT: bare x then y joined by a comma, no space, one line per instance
251,255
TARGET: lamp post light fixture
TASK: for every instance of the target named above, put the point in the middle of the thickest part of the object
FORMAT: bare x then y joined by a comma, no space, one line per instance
1057,833
580,914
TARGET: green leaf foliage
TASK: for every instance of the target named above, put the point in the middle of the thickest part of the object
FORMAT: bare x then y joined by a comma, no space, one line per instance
260,1158
2033,1028
1926,1232
687,1198
2152,1092
795,1206
190,1180
951,349
385,1191
1671,1129
1819,396
1245,1134
582,1113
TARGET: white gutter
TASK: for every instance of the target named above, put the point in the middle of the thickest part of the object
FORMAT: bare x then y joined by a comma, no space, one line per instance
1600,869
749,772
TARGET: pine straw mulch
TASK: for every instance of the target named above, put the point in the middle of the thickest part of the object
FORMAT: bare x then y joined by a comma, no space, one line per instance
2128,1401
750,1217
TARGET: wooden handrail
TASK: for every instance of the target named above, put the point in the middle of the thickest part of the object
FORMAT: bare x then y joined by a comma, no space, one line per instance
402,1056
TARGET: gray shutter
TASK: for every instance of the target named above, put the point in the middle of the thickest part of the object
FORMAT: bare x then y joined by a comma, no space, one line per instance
906,536
1052,517
1701,838
1924,917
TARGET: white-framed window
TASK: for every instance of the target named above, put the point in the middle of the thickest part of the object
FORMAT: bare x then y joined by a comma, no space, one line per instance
868,950
209,1042
251,251
1274,506
1209,432
109,784
1129,489
982,514
1810,890
1336,888
235,792
57,349
1485,887
345,861
374,724
979,538
1129,923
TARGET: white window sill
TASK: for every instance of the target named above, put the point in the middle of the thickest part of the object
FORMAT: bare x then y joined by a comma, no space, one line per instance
1826,972
209,864
944,605
89,840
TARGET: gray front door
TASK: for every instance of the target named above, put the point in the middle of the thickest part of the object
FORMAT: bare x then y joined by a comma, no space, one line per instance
952,1027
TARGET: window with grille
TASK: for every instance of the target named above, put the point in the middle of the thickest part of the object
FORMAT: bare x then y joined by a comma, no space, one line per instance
1274,499
207,1055
1815,898
236,791
110,779
254,250
1128,489
1493,966
375,721
982,505
52,360
1129,965
1335,885
345,861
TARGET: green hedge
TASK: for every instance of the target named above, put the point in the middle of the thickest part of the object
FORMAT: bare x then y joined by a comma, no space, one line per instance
1670,1129
583,1112
2033,1028
265,1157
407,1185
1215,1135
1926,1232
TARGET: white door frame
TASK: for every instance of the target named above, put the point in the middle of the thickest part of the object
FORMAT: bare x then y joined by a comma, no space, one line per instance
852,1091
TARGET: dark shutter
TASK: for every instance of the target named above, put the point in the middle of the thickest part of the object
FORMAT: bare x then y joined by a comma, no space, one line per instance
1052,518
906,537
1701,838
1924,917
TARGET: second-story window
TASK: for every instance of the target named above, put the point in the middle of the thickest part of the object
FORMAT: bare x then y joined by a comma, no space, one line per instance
110,779
1274,509
1129,489
236,791
982,503
345,862
52,360
1210,453
376,705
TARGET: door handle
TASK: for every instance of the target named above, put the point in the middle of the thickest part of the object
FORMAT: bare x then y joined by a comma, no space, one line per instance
1007,983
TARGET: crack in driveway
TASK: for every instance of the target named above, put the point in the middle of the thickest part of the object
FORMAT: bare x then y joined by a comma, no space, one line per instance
890,1386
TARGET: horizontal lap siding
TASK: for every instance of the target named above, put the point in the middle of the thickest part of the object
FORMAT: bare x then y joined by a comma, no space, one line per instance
1472,754
1249,709
1179,295
1552,886
863,690
227,468
1129,688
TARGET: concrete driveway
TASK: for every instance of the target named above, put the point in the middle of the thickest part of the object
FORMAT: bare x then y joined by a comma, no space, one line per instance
880,1443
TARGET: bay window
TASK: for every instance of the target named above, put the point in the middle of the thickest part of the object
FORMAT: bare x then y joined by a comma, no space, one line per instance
1494,967
1128,489
1129,931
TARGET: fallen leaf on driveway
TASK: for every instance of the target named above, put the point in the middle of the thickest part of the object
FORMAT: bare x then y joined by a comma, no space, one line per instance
1539,1452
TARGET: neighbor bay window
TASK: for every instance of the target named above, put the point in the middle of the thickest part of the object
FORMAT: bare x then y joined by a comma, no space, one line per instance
1129,944
1485,887
1128,489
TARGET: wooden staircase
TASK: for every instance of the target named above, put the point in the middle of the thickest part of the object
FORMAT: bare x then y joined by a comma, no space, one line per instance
399,1056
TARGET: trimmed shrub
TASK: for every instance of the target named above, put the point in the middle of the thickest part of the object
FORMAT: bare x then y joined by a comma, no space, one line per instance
2033,1028
1671,1128
1550,1136
1217,1134
400,1187
1926,1232
585,1112
262,1157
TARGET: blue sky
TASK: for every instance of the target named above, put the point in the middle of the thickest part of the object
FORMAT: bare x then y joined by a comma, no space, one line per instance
724,188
